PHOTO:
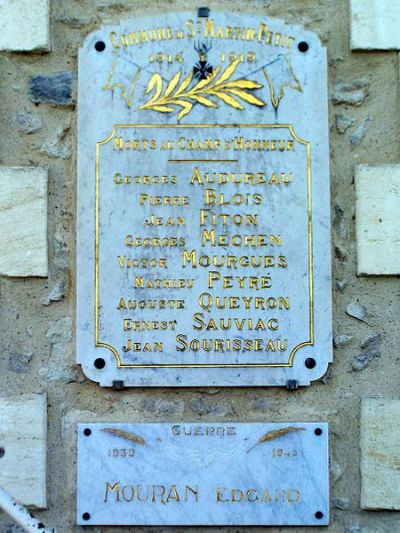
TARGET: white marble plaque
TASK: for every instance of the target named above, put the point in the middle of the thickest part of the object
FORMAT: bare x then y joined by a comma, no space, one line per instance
203,254
203,474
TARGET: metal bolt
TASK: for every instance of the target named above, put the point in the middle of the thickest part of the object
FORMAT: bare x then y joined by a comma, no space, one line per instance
303,47
99,363
310,363
100,46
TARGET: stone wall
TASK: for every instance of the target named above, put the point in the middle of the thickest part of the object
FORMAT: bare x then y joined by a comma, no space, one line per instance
39,42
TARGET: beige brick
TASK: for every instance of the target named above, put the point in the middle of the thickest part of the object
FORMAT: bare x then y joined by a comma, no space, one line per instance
380,454
23,221
377,219
375,24
24,25
23,436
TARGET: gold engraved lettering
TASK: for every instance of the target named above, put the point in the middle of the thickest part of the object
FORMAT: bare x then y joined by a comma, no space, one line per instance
143,262
251,495
226,239
190,26
294,495
139,145
128,493
261,31
140,497
230,345
145,347
124,304
234,323
152,493
248,178
206,27
220,496
114,488
146,199
226,219
154,241
140,282
113,42
153,499
119,179
236,495
173,495
268,38
145,325
280,495
251,282
208,431
277,38
207,301
190,492
160,221
211,197
266,497
194,258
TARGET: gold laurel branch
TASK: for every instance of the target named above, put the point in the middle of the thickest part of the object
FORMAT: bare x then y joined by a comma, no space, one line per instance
275,434
124,435
216,85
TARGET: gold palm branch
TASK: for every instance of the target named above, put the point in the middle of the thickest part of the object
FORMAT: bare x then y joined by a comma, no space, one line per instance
216,85
275,434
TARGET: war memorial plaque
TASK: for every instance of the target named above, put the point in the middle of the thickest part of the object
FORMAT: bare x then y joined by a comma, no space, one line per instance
203,249
203,474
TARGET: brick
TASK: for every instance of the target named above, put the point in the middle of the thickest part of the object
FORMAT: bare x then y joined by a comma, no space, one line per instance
23,221
375,25
23,436
380,454
25,25
377,219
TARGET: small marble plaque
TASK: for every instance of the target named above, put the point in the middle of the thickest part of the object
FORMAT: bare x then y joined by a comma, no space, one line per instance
203,474
203,250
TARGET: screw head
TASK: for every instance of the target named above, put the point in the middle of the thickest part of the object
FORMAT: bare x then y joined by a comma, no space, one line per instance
99,363
310,362
303,47
100,46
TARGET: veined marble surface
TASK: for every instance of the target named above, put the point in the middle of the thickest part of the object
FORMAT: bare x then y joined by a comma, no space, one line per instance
203,474
203,249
